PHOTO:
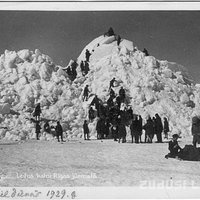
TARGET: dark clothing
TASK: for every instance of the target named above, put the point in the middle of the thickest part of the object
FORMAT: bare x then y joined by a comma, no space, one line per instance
112,93
87,55
158,128
110,102
148,127
59,132
47,128
86,68
85,93
86,131
146,52
122,94
130,113
118,40
134,127
118,101
196,130
37,112
122,133
114,131
37,130
174,149
100,128
91,113
190,153
166,128
112,83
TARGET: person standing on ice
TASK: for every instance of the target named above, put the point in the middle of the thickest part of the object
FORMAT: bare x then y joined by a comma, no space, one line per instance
87,55
37,129
112,83
86,130
140,128
82,68
134,129
166,128
37,112
59,131
196,130
158,128
86,68
85,93
91,114
122,94
145,52
148,127
118,40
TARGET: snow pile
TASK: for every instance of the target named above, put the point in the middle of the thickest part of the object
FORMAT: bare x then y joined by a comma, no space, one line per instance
152,86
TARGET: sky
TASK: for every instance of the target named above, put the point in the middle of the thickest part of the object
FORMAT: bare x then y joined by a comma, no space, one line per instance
167,35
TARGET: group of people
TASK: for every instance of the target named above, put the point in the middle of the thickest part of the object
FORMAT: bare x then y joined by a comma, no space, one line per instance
47,128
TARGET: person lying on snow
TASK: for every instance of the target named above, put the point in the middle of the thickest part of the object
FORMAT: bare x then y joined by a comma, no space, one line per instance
174,148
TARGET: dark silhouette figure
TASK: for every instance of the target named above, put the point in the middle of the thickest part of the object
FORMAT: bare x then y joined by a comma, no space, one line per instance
112,83
112,93
145,52
166,128
59,131
158,128
195,130
118,40
86,130
140,128
134,127
118,101
110,102
174,148
110,32
47,127
100,128
91,114
37,129
87,55
86,68
122,94
148,127
37,112
130,113
82,68
122,132
114,131
85,93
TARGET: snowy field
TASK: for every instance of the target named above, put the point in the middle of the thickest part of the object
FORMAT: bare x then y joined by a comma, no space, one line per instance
93,163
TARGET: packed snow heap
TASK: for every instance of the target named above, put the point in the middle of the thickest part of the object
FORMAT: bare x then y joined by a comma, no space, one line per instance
151,85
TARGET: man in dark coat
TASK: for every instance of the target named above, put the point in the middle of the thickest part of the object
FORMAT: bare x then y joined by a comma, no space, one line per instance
100,129
114,131
86,130
112,83
91,114
118,101
140,128
118,40
130,113
166,128
122,132
112,93
82,67
122,94
134,129
158,128
86,68
47,128
87,55
37,129
146,52
174,148
110,102
37,112
85,93
196,130
59,131
148,127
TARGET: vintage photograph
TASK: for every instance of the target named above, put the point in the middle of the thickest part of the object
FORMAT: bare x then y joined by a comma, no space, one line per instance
104,98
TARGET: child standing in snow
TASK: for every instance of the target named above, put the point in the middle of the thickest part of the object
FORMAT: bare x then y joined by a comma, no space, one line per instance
174,148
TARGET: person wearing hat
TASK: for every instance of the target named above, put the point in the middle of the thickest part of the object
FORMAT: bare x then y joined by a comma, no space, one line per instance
174,148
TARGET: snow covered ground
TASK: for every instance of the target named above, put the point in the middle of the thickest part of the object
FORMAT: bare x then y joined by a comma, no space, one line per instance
93,163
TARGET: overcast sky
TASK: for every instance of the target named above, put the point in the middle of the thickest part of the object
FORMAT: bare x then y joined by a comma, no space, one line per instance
168,35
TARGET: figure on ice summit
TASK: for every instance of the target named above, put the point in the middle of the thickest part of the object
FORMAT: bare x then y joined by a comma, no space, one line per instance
85,93
37,112
87,55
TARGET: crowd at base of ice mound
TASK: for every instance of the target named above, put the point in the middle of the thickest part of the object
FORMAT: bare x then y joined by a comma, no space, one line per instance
152,86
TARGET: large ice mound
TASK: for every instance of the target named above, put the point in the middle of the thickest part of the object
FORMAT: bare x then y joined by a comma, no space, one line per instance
152,86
